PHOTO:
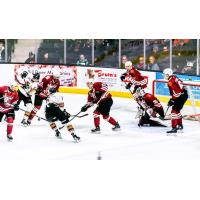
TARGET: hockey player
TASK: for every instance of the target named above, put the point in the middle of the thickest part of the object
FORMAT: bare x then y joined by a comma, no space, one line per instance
8,105
149,107
55,112
178,98
135,77
27,87
100,96
49,81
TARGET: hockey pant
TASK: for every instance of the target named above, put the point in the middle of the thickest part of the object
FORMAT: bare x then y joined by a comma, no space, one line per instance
37,105
146,121
10,117
53,114
176,108
103,109
27,102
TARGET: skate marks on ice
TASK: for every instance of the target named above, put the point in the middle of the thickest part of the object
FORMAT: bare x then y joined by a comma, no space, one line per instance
38,141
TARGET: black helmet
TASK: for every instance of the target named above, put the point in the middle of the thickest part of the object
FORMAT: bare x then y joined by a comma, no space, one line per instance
36,76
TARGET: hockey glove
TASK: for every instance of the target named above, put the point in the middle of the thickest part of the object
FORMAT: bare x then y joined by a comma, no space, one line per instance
52,90
171,102
98,94
1,99
84,108
66,114
16,107
122,77
128,86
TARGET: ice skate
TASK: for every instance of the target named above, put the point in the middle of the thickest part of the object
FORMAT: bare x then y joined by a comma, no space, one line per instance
116,127
172,132
96,130
58,134
10,138
76,138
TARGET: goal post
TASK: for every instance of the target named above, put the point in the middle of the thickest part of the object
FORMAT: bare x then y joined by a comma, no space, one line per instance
191,109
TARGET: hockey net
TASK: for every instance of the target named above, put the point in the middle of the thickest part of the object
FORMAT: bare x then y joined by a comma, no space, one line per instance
191,109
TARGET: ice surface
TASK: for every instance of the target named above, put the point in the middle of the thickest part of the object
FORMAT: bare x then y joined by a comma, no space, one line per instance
132,142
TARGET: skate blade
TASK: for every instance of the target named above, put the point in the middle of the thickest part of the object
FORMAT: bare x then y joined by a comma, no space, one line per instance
96,132
172,134
77,141
117,129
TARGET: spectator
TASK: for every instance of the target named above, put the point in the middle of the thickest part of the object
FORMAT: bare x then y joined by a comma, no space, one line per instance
165,50
140,65
152,64
155,51
2,52
189,68
45,58
82,61
31,58
124,60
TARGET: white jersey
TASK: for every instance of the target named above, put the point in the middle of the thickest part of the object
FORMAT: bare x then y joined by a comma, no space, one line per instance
55,99
26,86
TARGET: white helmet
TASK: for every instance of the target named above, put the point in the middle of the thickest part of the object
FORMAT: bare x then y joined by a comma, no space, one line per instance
128,64
167,73
56,74
90,80
140,92
90,83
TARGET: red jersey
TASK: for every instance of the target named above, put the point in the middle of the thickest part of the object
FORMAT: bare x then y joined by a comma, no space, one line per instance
150,101
47,83
98,93
10,98
136,77
175,86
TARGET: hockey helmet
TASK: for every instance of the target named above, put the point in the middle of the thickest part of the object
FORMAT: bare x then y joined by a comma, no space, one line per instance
36,76
140,92
56,74
90,83
24,74
167,73
128,64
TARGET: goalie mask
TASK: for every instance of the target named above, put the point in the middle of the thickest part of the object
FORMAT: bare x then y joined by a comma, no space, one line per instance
140,92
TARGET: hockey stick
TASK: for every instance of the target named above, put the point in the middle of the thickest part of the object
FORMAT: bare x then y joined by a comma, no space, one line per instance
80,116
166,111
70,120
35,115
